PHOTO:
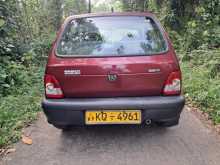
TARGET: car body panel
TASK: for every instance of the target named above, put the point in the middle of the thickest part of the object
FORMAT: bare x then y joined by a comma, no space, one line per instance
135,75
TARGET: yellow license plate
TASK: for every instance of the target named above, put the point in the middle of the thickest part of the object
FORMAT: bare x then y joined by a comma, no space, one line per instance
113,117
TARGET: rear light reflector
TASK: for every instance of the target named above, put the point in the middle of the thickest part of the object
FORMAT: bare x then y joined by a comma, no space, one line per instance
52,87
173,84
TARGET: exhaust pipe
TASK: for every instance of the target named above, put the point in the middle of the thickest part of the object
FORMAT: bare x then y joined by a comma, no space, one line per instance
148,121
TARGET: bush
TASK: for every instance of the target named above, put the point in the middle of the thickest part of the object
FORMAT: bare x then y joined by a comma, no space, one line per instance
21,106
21,44
202,81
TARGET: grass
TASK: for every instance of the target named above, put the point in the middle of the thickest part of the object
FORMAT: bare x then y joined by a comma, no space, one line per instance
19,109
201,79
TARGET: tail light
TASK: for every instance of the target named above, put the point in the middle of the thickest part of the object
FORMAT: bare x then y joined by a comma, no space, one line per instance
173,84
52,87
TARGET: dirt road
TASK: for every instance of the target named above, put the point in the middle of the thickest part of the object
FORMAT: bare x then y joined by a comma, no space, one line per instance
190,143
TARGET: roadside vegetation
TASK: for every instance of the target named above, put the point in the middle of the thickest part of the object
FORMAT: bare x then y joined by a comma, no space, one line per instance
194,27
20,107
28,27
202,81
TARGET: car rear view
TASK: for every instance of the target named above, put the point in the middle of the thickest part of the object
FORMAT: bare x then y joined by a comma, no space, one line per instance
117,68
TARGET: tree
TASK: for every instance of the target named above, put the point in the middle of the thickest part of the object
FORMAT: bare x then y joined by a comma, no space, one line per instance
134,5
72,7
56,13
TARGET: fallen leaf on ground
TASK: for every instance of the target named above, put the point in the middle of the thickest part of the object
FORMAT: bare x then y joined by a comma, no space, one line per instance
26,140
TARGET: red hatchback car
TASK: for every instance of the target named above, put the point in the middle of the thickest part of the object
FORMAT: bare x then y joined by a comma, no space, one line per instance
116,68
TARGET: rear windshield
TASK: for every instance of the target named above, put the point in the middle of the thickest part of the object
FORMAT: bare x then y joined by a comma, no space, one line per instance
111,36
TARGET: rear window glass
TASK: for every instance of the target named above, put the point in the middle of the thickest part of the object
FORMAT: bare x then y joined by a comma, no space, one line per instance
111,36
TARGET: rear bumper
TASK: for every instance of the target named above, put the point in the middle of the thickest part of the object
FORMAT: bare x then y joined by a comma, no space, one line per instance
71,111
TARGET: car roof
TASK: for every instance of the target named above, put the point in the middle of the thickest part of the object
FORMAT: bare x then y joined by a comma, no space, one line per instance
147,14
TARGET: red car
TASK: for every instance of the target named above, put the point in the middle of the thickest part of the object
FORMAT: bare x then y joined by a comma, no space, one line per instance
116,68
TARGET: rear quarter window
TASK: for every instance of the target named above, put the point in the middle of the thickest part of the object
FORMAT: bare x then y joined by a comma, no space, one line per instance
111,36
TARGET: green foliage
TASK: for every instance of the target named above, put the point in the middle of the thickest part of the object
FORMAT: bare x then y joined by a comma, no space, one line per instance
55,14
8,49
25,39
116,5
134,5
202,81
72,7
21,106
197,22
